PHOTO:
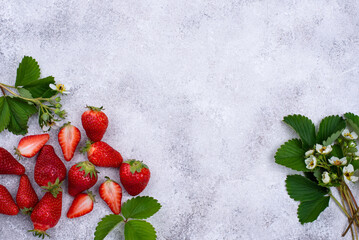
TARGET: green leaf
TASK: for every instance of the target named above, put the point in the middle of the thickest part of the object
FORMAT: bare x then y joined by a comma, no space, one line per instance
302,189
27,71
140,207
139,230
304,127
106,224
40,88
336,151
4,113
355,164
20,112
353,121
24,93
330,129
310,210
291,155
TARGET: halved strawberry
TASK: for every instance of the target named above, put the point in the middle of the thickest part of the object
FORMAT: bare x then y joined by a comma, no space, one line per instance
111,193
30,145
69,137
82,205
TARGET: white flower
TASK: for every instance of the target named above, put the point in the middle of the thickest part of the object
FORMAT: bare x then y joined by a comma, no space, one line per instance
311,162
323,149
349,135
309,152
325,177
52,124
60,88
337,162
348,172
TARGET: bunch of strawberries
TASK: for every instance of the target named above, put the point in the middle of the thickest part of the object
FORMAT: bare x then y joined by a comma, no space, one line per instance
50,172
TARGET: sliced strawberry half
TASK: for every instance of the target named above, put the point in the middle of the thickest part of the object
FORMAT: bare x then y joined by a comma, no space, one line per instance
30,145
111,193
82,205
69,137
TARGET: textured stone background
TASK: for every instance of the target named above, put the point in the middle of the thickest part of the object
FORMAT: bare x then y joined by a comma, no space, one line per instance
197,90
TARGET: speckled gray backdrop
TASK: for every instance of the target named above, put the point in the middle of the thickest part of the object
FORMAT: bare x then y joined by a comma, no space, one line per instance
197,90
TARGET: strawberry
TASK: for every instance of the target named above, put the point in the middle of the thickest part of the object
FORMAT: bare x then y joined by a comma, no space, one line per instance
26,197
47,213
95,123
82,205
103,155
30,145
111,193
49,169
69,137
81,177
9,165
7,204
134,176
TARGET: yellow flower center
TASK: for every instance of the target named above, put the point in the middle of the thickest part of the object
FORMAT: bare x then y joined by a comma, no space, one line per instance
337,162
348,135
60,87
311,163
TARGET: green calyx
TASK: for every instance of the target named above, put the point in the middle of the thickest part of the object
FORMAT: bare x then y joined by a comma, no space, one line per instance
88,167
135,165
97,109
53,188
91,195
26,211
66,124
38,233
86,148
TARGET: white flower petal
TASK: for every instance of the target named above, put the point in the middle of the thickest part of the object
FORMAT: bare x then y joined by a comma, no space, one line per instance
325,177
52,86
309,152
353,178
354,135
332,160
318,147
343,160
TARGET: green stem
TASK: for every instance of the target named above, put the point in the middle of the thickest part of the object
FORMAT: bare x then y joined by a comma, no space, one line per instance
339,205
2,90
3,84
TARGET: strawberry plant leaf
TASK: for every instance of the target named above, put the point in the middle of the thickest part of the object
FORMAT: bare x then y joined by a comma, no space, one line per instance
24,93
40,88
302,189
304,127
291,155
140,207
27,71
4,113
330,129
353,121
106,224
139,230
20,111
309,211
336,151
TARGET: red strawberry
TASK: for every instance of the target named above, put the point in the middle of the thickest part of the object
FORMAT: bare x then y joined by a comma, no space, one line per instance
30,145
111,193
7,204
103,155
82,205
134,176
81,177
9,165
69,137
47,213
95,123
49,169
26,197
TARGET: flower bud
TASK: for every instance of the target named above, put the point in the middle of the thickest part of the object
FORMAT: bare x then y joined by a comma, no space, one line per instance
333,176
58,105
45,117
58,99
352,144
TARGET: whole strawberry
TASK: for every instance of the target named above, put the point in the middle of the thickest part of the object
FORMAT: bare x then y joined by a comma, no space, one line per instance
134,176
7,204
47,213
49,168
30,145
81,177
69,137
9,165
26,197
82,205
111,193
95,123
103,155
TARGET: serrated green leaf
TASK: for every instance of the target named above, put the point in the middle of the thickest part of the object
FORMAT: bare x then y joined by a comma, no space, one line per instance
40,88
140,207
291,155
355,164
304,127
310,210
330,129
302,189
106,224
353,121
27,71
336,151
20,112
24,93
139,230
4,114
